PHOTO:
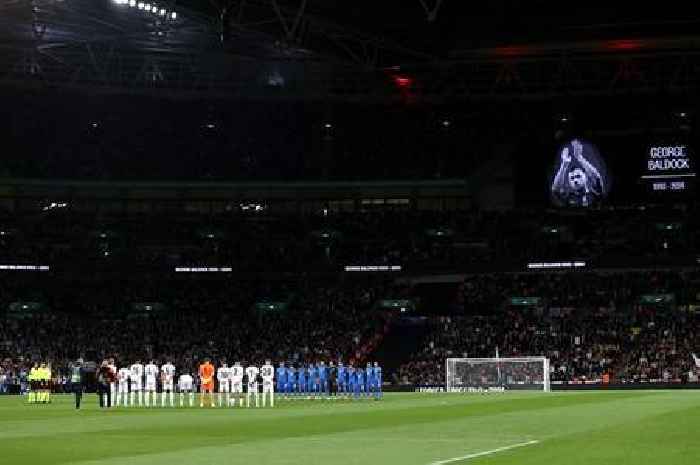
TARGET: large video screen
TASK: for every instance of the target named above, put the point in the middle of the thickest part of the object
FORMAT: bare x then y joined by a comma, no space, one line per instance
580,177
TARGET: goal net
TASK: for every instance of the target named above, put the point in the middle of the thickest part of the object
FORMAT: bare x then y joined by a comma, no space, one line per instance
478,374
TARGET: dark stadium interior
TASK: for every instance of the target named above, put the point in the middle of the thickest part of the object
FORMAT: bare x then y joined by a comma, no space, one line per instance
216,172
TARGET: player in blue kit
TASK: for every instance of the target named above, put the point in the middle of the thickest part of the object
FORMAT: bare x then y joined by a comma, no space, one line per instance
342,379
322,379
313,380
359,382
352,380
281,378
290,388
302,380
378,377
369,379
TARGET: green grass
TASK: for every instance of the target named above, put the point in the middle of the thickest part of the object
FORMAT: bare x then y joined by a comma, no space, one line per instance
591,428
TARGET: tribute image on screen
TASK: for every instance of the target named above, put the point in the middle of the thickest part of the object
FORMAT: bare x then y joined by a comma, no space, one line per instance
580,177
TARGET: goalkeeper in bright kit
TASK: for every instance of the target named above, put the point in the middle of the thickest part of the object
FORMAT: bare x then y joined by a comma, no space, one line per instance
206,378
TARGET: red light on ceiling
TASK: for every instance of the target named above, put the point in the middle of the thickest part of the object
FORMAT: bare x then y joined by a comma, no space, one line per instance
624,45
512,50
403,81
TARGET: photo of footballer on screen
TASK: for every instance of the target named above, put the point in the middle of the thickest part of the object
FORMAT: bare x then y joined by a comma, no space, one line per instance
580,179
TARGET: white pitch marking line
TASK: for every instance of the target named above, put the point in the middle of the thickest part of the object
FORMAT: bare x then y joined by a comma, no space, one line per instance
668,176
487,452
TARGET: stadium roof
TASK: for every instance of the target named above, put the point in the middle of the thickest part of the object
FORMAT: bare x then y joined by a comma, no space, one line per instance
327,48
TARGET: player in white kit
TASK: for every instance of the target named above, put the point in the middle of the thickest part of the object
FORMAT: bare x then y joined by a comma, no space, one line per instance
267,372
168,380
123,389
112,386
223,376
186,384
237,373
136,377
252,372
151,383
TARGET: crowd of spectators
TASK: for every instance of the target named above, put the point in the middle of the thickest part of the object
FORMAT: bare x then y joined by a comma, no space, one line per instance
196,317
630,326
105,266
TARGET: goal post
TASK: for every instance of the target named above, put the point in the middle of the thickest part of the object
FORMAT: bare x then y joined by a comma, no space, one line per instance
478,374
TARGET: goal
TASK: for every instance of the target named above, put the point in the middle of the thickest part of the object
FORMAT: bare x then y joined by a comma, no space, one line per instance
479,374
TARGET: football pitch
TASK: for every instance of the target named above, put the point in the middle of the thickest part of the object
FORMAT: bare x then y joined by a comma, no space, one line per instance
612,427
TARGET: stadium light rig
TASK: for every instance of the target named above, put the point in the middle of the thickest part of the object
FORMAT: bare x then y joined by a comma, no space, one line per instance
55,206
148,8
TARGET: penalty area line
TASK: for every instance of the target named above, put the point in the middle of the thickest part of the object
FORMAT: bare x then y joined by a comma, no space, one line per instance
484,453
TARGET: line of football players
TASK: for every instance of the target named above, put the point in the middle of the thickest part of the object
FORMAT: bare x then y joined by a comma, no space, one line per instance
138,385
318,380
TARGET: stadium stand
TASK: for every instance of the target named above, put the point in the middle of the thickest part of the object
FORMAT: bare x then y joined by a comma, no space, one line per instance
192,318
589,324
